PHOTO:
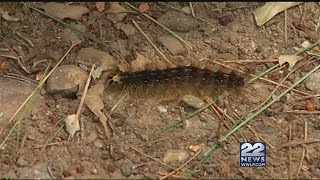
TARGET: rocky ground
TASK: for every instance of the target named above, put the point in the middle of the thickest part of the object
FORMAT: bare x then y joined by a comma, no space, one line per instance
221,36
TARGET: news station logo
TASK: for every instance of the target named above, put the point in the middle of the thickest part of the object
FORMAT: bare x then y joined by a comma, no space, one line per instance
253,154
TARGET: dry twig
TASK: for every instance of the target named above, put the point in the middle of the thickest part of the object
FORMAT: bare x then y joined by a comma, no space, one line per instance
152,44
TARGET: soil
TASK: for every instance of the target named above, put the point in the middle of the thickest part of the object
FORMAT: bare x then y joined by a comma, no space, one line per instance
40,147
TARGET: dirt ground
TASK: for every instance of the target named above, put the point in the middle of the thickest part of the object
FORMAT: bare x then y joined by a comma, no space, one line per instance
40,147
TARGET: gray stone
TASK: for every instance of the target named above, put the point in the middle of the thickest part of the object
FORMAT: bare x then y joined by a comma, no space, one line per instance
70,36
178,21
153,168
126,170
12,94
38,171
173,45
22,162
313,82
175,156
186,10
171,156
192,101
127,28
66,79
162,109
98,143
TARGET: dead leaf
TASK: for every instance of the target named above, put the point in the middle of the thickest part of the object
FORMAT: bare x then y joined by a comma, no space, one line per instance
116,8
291,59
116,12
72,124
100,6
63,11
95,104
39,75
5,15
140,63
264,13
144,7
5,65
104,61
310,105
69,36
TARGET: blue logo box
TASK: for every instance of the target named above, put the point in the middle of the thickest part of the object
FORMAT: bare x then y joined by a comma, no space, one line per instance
253,154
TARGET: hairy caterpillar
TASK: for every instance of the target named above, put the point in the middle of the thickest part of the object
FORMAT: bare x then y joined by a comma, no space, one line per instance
186,74
172,84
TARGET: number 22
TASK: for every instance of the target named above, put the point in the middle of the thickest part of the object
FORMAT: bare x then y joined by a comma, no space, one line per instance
258,149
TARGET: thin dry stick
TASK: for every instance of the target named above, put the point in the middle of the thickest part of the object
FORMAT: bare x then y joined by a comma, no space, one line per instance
285,26
303,112
154,141
307,97
264,79
84,93
304,147
118,102
290,154
25,38
192,11
174,176
50,172
43,81
252,61
162,163
152,44
76,118
299,142
178,169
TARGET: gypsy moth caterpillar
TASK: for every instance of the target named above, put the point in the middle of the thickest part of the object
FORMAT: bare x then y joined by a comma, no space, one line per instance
173,82
190,74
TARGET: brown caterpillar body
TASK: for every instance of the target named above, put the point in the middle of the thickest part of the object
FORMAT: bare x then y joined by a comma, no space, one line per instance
187,74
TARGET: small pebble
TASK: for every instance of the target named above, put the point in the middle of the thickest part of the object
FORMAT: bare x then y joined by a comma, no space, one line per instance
66,79
94,171
144,137
162,109
126,170
313,82
173,45
98,143
136,159
22,162
153,168
128,29
192,101
175,155
178,21
194,148
186,10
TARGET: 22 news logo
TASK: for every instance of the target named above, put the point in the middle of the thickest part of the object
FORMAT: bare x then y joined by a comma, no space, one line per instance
253,154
